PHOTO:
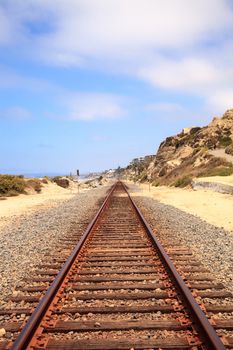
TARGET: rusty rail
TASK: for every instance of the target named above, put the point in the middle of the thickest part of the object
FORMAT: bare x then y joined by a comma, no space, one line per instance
27,333
205,330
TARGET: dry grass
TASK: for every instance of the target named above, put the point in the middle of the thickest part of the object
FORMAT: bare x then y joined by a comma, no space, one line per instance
60,181
229,149
35,184
182,175
183,181
11,185
225,141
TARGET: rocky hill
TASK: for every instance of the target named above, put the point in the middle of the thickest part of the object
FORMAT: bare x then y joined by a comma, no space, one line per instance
194,152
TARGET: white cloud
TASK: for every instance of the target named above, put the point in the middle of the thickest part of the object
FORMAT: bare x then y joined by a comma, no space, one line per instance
96,29
75,105
5,28
185,74
219,101
93,106
210,80
177,45
86,30
131,28
14,113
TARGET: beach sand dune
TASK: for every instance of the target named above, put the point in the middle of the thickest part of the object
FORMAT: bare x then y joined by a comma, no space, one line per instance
213,207
50,195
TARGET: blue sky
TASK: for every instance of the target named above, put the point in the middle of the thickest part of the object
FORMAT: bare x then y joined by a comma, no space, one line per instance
91,84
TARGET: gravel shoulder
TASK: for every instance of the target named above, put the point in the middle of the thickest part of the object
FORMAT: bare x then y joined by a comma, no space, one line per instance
211,245
26,238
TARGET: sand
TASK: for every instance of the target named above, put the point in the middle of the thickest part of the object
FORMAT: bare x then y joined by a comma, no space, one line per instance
226,180
221,153
50,195
213,207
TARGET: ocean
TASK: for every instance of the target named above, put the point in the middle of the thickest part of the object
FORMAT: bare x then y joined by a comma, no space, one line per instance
39,175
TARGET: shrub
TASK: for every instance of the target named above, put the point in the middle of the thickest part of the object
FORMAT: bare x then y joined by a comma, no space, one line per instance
143,177
194,130
35,184
12,194
11,185
183,181
229,149
225,141
60,181
136,178
156,183
203,151
219,171
44,180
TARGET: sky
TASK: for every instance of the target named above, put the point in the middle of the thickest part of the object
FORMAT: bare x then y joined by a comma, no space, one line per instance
92,84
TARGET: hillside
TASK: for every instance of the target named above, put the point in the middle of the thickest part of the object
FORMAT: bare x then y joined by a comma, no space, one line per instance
195,152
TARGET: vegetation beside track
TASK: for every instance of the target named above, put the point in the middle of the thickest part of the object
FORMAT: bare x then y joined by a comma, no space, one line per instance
13,185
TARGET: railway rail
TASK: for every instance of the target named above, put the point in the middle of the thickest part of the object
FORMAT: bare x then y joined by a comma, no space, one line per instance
119,289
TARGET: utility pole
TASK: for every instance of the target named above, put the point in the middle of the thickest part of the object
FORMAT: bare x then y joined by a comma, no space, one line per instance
77,172
149,179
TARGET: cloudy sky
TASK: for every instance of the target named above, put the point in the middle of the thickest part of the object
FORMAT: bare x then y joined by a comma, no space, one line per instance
91,84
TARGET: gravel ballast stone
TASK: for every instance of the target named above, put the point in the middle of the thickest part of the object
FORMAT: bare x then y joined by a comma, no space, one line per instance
26,239
212,246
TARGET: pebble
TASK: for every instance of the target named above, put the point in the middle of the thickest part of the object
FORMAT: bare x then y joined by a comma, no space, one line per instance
2,332
26,238
211,245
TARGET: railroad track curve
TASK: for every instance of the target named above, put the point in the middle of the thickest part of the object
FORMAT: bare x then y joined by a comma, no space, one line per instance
120,290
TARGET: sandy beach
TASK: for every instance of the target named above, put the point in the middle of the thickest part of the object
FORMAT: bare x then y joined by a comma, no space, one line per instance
213,207
50,194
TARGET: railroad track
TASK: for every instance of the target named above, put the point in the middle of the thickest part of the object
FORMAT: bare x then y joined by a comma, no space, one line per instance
120,290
